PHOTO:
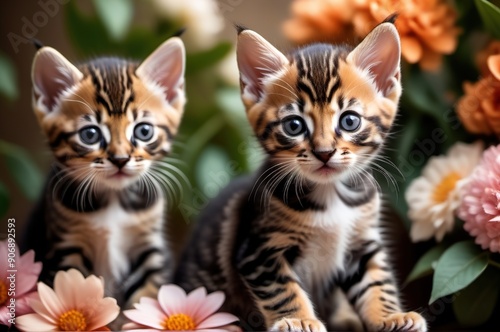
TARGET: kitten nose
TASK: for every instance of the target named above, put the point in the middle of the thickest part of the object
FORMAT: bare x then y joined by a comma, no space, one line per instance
119,161
324,156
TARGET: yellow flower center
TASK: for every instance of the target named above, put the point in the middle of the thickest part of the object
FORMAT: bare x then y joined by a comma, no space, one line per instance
178,322
3,293
443,189
72,320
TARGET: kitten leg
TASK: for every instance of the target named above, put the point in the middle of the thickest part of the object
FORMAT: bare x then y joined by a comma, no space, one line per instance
344,318
373,293
284,304
146,278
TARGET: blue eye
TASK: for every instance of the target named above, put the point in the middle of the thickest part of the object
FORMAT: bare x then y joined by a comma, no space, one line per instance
294,126
90,135
350,121
144,131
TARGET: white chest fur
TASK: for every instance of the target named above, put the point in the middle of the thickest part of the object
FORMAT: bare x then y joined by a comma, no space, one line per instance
335,230
110,236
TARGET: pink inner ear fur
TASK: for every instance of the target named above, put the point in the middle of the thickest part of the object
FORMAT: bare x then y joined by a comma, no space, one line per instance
380,53
256,59
165,67
52,74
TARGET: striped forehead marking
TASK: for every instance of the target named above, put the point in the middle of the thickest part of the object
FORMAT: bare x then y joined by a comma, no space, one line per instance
113,83
317,67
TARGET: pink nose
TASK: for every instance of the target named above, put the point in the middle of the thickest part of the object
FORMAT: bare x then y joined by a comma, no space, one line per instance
324,156
119,161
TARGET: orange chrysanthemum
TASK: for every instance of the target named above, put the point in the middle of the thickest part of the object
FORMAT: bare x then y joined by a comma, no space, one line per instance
479,108
320,21
426,27
486,59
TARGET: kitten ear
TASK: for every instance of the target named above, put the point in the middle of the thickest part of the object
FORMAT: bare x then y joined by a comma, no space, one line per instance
257,59
380,54
51,75
165,67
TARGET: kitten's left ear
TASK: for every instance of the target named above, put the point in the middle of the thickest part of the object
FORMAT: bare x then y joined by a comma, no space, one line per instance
380,54
257,59
165,67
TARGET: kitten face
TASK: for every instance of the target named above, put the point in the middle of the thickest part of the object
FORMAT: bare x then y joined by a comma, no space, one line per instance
109,120
323,112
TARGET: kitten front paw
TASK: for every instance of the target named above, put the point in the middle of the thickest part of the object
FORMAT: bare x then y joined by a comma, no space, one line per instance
298,325
405,321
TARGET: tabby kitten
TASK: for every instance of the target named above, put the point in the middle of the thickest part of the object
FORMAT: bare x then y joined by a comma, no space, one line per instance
109,123
283,242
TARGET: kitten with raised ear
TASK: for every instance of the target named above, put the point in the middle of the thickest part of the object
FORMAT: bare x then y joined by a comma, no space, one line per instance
283,242
109,123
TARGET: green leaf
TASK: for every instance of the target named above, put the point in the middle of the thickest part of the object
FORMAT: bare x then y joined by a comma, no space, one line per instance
8,78
200,137
490,15
474,304
425,264
87,33
116,16
213,170
419,93
460,265
408,137
230,102
22,169
202,60
4,200
90,36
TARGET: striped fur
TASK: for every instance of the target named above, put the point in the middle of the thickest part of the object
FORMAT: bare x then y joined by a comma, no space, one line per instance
288,243
109,123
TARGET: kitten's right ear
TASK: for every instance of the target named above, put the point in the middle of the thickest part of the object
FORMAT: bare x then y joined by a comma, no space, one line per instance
165,67
257,59
51,75
380,53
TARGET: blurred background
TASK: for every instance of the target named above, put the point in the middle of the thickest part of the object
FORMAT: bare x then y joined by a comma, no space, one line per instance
215,143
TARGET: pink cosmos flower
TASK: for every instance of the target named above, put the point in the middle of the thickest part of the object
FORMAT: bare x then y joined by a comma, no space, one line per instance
176,311
75,304
480,208
16,288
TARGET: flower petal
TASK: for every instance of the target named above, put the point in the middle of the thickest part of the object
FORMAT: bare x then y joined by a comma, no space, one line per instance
27,263
142,318
4,316
137,328
66,284
217,320
211,304
172,299
25,283
195,300
131,326
40,309
152,307
106,311
34,322
23,304
411,49
50,300
494,65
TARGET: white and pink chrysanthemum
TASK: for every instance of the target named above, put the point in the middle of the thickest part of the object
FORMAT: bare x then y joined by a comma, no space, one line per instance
480,207
14,300
434,196
75,304
177,311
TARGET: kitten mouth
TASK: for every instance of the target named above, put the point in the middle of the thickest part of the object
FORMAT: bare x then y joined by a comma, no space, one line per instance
326,170
120,174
